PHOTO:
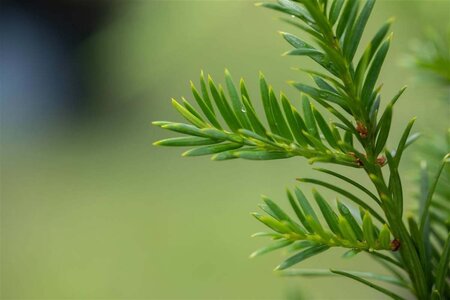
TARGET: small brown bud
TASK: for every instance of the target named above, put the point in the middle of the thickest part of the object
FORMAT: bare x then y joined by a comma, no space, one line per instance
362,129
357,160
381,160
395,245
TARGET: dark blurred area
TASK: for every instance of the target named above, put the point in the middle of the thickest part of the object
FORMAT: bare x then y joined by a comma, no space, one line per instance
42,76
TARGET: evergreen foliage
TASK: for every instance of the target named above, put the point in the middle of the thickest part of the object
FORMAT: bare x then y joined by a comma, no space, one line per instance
225,125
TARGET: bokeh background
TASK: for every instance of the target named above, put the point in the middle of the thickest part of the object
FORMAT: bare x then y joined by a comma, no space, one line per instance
91,210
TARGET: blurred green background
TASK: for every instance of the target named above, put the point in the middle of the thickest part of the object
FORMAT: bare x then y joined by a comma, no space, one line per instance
91,210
